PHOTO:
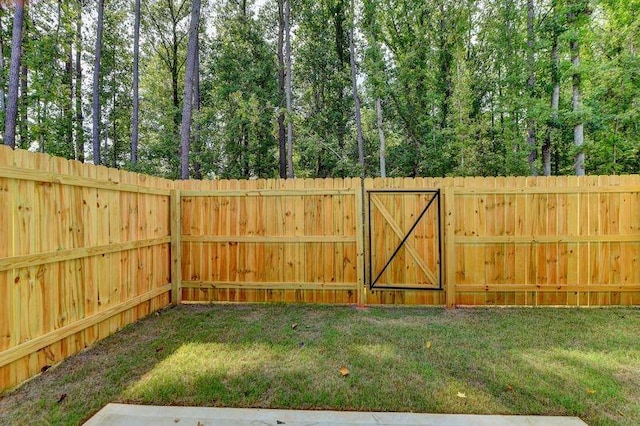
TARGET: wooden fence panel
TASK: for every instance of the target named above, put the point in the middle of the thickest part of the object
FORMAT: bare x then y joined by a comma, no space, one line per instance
85,251
548,241
270,240
416,263
404,269
515,241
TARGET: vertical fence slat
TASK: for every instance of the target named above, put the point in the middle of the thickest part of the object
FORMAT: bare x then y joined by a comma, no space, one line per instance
360,222
450,248
176,247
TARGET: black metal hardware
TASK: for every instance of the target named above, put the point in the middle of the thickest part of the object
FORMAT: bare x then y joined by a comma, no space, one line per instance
436,198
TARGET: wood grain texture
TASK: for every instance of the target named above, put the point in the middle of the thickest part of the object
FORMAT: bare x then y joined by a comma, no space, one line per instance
72,256
176,249
548,241
270,240
509,240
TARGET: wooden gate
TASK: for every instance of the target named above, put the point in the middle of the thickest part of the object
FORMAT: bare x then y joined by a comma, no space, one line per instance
404,240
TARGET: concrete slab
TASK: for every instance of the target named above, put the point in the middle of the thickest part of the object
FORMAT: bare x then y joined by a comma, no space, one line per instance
141,415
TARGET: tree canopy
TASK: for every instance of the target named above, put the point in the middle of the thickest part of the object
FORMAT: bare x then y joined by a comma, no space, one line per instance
440,87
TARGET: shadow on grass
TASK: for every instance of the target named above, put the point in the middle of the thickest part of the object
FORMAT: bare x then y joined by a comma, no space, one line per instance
540,361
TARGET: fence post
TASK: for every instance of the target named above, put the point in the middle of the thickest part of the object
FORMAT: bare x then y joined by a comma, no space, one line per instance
360,227
449,245
176,247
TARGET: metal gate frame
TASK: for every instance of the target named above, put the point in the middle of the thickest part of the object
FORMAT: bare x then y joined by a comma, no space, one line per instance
436,198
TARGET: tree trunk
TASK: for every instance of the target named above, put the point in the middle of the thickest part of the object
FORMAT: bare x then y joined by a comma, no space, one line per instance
555,101
78,87
14,76
37,113
243,8
170,46
287,32
136,96
410,129
244,139
67,106
3,105
356,98
185,128
383,149
338,15
114,122
531,82
282,139
578,128
197,173
96,85
174,71
68,102
24,103
446,61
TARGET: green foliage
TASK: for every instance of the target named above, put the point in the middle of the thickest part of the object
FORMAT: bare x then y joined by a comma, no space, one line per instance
452,78
46,104
325,132
240,106
615,86
116,85
164,26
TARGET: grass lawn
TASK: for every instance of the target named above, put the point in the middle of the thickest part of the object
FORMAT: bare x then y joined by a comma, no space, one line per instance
579,362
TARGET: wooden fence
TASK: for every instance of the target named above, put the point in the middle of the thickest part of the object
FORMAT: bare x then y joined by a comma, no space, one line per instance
499,241
271,240
545,241
84,251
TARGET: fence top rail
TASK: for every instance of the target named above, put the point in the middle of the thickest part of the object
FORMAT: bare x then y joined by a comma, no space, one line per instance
403,191
547,190
266,192
12,172
458,191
